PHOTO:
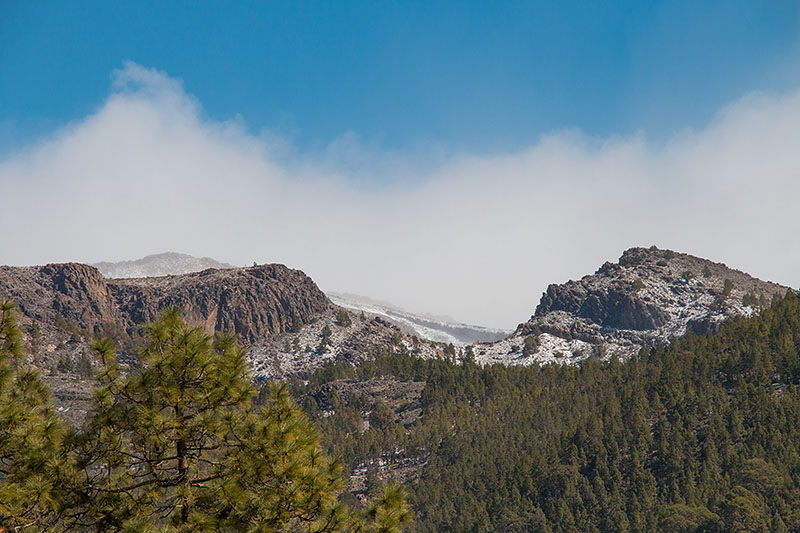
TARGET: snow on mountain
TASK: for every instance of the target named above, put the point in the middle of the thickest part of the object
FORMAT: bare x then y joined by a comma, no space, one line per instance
426,327
648,297
165,264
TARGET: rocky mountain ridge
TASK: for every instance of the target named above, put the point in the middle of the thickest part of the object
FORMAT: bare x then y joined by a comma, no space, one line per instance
647,297
250,302
279,315
290,327
426,327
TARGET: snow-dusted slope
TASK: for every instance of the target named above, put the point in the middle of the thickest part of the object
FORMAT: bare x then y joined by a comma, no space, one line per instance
649,296
166,264
429,328
334,335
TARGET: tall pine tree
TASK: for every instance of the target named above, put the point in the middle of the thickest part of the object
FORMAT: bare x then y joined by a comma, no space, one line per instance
179,445
33,467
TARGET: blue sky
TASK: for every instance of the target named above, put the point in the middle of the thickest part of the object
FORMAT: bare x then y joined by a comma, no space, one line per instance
451,158
477,76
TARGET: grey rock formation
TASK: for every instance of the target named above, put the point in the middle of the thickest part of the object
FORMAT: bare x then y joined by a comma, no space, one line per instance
648,296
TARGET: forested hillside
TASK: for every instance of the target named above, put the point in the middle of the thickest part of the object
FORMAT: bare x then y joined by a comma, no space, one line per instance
701,434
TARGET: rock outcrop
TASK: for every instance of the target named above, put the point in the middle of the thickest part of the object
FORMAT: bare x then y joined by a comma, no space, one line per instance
279,314
251,302
648,296
71,291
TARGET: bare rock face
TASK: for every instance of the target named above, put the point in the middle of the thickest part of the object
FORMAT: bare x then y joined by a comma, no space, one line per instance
251,302
72,291
614,307
648,296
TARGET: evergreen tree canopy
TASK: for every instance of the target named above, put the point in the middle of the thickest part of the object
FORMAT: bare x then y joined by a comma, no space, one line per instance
33,465
179,445
699,435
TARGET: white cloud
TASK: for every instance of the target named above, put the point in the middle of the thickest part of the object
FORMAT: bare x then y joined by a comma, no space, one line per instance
474,237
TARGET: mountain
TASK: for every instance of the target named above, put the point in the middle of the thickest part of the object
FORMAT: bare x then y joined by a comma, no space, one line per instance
63,306
336,334
426,327
278,313
290,327
649,296
165,264
515,446
251,302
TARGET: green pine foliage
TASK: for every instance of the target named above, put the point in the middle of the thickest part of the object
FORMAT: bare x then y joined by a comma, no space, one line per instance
389,511
34,472
179,445
176,444
702,434
325,339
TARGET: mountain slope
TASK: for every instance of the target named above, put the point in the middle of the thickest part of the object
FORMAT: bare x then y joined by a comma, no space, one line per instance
431,328
278,314
165,264
700,434
647,297
250,302
335,335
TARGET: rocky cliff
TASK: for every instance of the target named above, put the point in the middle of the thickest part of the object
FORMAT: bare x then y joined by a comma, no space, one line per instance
648,296
279,314
70,291
252,302
63,306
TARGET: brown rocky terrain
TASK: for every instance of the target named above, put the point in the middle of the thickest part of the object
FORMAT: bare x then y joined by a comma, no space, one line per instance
289,326
250,302
278,313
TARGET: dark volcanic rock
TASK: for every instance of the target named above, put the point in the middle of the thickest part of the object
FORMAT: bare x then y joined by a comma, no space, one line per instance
75,292
649,294
252,302
614,307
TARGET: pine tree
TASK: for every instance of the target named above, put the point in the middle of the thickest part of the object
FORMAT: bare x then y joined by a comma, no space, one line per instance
33,467
179,445
387,513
